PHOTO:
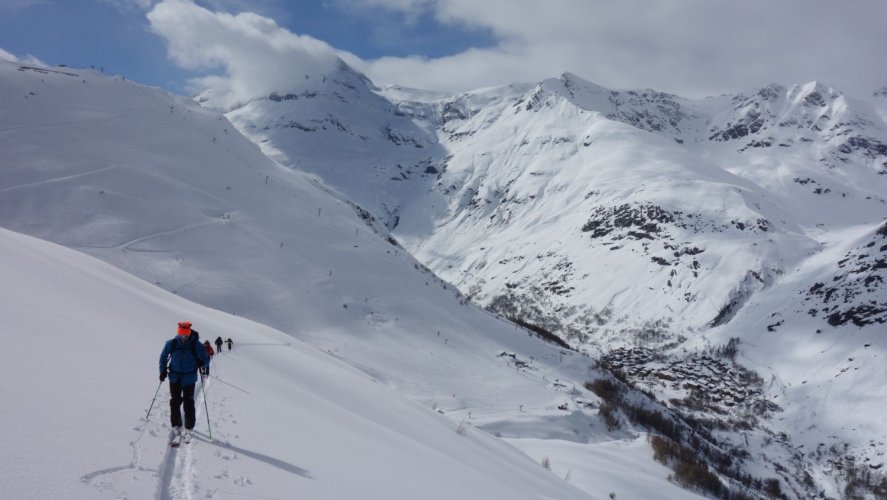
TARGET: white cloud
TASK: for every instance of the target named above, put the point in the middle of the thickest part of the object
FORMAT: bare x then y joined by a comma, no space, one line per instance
256,55
689,47
32,60
692,47
28,59
6,56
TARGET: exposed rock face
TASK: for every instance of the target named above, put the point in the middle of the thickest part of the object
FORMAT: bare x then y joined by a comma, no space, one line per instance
854,295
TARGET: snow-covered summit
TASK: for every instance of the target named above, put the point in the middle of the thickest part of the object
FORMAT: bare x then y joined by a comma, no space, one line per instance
645,109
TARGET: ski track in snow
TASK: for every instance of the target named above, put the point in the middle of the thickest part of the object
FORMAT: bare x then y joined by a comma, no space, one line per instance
66,123
126,246
177,472
5,132
167,473
62,178
147,237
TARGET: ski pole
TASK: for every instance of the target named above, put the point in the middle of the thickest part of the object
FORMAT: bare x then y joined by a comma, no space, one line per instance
205,406
152,401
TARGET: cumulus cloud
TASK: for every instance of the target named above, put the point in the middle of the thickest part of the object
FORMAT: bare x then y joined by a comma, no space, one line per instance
28,59
6,56
690,47
247,55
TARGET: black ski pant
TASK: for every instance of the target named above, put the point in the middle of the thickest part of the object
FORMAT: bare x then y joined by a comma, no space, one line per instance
181,394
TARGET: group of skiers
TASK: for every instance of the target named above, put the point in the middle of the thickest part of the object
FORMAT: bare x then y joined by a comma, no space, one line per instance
181,359
204,370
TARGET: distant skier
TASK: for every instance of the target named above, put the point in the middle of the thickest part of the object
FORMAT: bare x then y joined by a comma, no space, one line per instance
230,343
180,359
204,370
219,344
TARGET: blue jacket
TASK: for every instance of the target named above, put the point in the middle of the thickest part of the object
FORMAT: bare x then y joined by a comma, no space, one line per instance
180,355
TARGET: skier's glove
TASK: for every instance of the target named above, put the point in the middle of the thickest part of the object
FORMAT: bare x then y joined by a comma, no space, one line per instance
199,363
163,375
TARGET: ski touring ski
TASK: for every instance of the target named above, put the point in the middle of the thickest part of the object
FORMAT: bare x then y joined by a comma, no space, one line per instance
175,439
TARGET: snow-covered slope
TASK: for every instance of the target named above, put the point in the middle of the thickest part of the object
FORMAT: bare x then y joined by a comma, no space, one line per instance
336,125
819,333
169,192
601,200
286,420
628,218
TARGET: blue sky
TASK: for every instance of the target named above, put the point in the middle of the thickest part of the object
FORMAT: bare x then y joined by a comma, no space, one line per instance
692,48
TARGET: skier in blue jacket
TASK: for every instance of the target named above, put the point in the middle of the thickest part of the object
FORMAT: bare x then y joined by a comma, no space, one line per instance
180,360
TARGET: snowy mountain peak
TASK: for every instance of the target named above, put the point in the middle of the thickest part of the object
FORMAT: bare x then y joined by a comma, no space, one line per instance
647,110
812,119
342,84
573,84
775,106
814,94
345,75
772,92
339,81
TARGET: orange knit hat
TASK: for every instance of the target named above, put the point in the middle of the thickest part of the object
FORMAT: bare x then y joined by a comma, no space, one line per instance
184,328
